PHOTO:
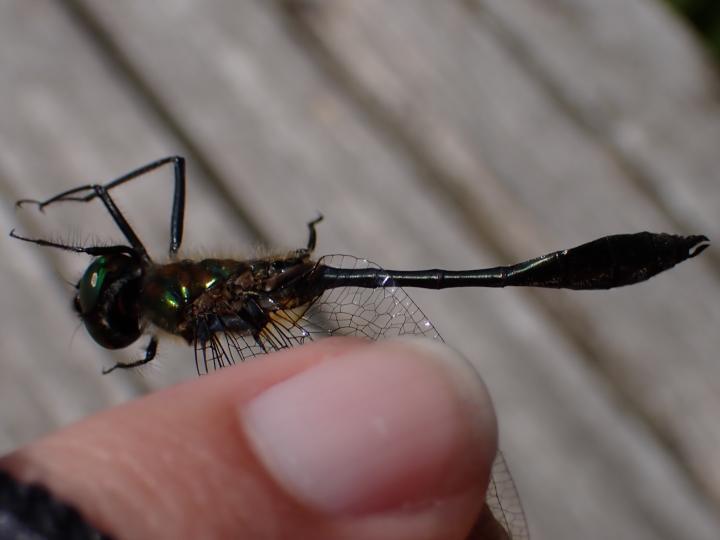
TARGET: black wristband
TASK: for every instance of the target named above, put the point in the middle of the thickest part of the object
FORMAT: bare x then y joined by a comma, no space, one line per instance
30,512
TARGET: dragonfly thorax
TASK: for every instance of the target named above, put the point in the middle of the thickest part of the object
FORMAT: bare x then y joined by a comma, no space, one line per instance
196,299
169,290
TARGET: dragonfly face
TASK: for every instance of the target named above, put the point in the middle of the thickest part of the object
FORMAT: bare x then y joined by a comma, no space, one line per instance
107,300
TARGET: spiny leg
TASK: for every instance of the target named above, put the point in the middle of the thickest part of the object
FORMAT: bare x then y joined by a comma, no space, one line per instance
98,191
177,215
136,248
150,352
312,238
101,191
90,250
121,222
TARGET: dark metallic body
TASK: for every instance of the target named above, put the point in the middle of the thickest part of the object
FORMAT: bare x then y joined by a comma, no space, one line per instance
196,299
124,293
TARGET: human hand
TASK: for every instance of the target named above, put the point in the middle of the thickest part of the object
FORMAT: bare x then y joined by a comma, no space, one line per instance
337,439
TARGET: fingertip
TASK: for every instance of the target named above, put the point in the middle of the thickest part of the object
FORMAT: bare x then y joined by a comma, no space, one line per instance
338,439
375,429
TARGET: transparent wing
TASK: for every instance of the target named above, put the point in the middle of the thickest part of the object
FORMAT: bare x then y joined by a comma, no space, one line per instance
504,503
346,311
286,329
374,314
371,313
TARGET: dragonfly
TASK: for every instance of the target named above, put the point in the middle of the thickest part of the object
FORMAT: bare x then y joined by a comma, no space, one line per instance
229,310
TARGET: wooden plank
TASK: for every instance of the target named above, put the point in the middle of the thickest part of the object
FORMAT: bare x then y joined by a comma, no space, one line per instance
564,171
287,141
567,171
628,80
68,120
640,84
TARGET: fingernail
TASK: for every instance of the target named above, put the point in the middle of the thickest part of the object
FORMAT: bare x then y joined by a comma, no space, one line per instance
378,428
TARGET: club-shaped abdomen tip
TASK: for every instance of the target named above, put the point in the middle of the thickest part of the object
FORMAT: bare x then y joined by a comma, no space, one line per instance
697,244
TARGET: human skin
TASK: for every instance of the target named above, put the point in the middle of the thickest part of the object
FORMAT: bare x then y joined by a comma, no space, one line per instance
338,439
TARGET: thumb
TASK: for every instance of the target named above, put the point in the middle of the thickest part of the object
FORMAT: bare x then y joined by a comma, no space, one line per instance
339,439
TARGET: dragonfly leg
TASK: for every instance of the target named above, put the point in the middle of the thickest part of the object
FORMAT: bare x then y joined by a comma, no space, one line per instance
91,191
150,352
177,215
313,234
259,342
90,250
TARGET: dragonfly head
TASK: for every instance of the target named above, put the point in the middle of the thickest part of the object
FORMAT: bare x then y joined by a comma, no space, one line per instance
107,300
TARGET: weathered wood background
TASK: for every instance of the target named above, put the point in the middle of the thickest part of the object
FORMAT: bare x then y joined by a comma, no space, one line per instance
449,133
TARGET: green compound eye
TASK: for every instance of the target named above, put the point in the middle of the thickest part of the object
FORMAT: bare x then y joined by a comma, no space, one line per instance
91,284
